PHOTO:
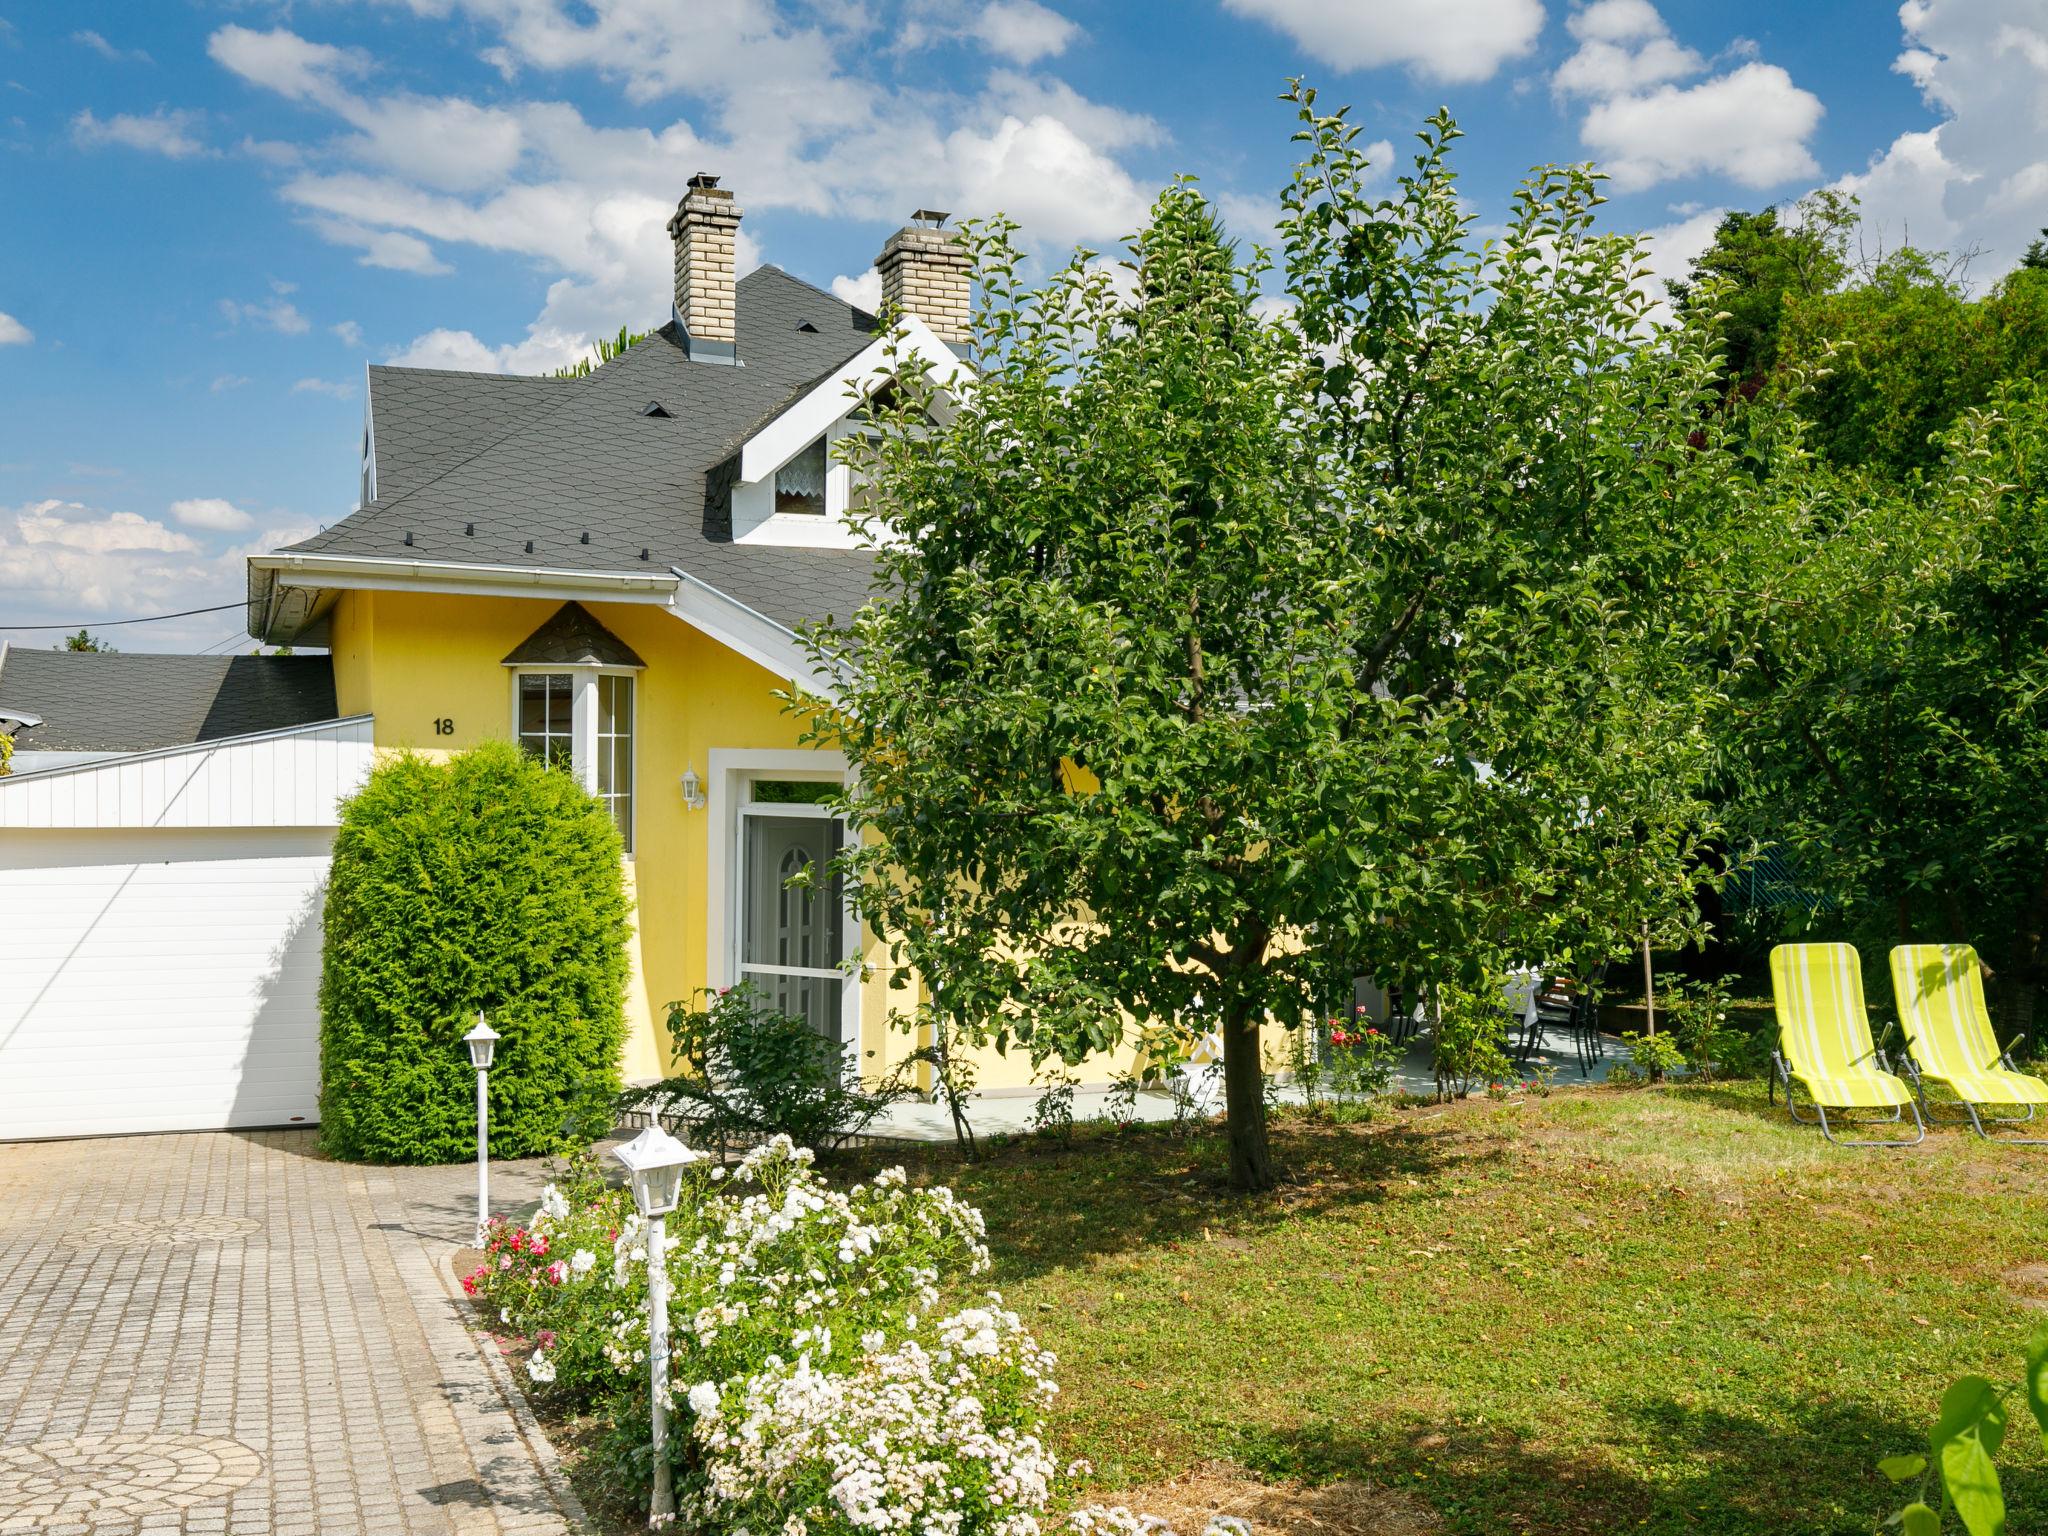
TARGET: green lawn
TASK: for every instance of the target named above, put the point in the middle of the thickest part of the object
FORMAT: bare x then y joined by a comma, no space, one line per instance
1656,1310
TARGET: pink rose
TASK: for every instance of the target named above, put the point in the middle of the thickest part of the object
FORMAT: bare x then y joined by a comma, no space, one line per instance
557,1272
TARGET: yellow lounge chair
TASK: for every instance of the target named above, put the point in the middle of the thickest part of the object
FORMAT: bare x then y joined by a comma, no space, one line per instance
1940,991
1824,1044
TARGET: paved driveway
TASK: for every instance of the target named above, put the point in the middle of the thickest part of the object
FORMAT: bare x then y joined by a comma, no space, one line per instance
227,1333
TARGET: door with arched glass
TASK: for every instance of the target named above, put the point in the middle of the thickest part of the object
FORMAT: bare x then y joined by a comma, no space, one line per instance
793,928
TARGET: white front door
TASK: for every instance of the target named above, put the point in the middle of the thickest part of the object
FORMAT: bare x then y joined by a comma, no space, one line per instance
793,936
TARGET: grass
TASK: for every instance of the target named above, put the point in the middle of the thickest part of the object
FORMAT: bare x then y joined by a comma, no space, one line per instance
1665,1310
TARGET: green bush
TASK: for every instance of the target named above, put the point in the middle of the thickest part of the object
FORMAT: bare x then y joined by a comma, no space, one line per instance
489,883
750,1071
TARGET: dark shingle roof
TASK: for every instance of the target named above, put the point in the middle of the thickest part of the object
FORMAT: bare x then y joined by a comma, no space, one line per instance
572,637
572,474
133,701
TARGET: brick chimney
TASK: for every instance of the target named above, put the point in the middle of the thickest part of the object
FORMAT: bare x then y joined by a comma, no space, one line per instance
926,272
704,228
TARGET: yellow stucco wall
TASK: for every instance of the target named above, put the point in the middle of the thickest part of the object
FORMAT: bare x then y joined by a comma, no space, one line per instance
413,659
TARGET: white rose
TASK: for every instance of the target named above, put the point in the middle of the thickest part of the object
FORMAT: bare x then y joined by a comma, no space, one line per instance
704,1400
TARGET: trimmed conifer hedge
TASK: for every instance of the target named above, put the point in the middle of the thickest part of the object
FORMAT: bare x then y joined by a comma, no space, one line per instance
483,882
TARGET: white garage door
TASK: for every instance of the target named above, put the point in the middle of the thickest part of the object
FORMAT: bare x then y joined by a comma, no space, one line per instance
159,980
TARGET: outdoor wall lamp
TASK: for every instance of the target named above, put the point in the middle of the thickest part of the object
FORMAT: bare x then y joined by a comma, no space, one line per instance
693,790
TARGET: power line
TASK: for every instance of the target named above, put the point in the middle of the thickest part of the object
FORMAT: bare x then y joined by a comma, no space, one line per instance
116,623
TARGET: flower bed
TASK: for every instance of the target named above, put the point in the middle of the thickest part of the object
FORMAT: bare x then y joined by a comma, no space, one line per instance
816,1387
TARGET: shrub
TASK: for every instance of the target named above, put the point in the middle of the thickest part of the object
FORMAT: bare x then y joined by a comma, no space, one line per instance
813,1377
485,883
1651,1057
750,1072
1471,1031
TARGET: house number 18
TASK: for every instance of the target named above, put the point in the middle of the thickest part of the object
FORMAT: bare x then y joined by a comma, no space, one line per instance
444,727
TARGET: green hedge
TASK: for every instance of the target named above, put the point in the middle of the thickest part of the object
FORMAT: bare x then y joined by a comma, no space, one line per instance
485,882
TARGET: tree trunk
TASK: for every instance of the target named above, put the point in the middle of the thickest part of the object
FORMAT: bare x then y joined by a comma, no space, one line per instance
1244,1084
1649,988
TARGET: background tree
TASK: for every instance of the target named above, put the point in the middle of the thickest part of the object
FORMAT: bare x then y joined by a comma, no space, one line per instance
1886,352
1738,288
1210,651
1892,730
1902,353
84,640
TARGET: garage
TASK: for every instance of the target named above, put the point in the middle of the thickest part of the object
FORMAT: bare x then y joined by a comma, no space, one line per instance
160,934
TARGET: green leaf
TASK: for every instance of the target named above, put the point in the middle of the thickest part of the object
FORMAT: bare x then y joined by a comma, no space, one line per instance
1918,1520
1900,1468
2037,1379
1965,1438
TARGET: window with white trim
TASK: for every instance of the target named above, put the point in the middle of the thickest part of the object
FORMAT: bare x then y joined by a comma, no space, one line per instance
580,719
615,751
800,484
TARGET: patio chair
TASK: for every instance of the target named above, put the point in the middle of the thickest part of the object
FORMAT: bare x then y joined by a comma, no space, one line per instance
1949,1041
1824,1044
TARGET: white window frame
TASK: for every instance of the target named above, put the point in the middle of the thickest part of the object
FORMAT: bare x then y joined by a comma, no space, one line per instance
583,728
731,779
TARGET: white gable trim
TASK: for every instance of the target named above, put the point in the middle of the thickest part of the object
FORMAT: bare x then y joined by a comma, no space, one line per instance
807,418
752,634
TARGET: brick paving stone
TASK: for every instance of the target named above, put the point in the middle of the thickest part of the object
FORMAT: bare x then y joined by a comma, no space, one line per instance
226,1333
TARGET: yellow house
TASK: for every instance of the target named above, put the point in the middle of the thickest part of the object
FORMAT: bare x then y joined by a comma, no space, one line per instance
612,570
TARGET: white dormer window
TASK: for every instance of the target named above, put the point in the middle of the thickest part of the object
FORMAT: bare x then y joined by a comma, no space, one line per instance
792,489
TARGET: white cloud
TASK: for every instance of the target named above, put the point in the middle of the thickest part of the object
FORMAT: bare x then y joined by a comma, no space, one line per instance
211,512
286,63
70,525
340,389
442,142
1623,46
391,249
862,292
546,348
1447,40
165,131
782,120
107,51
1043,174
1750,123
224,382
348,332
1979,177
64,562
1022,31
13,333
1017,94
279,314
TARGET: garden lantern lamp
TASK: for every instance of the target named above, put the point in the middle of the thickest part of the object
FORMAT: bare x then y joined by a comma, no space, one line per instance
654,1163
482,1042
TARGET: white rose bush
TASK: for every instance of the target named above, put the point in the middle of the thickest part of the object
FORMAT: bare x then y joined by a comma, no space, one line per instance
817,1385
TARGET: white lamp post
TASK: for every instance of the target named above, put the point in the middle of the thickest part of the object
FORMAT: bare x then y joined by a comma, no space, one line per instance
482,1041
654,1162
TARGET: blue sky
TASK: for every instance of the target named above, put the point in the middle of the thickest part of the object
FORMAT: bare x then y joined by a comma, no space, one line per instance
218,211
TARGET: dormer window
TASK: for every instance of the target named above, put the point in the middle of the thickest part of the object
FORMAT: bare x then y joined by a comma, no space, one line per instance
800,483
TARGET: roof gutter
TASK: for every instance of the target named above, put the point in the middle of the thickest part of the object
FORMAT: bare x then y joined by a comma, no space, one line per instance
271,575
342,572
